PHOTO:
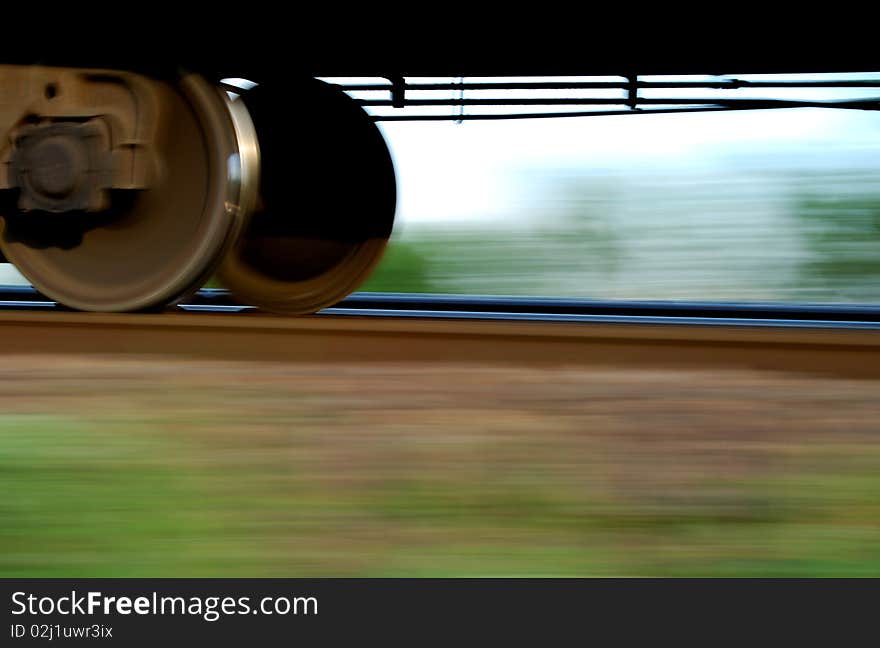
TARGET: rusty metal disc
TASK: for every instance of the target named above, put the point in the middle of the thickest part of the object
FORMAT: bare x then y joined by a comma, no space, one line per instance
156,245
326,201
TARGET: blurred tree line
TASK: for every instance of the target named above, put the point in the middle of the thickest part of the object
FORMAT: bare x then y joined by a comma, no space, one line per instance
583,238
840,227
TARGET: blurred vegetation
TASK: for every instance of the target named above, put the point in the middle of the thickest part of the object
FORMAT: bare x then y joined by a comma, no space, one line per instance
80,496
404,268
774,235
840,225
248,469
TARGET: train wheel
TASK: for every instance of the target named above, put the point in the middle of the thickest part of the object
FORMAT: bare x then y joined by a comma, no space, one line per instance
150,247
326,201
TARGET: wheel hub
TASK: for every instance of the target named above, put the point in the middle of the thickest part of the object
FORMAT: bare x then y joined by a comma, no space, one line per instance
62,167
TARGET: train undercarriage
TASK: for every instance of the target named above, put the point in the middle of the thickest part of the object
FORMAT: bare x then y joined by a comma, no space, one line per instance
126,190
122,192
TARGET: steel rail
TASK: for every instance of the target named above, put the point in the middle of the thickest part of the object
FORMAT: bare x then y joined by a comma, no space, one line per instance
330,338
433,306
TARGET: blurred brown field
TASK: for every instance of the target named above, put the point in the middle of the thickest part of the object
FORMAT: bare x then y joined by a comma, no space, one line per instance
152,467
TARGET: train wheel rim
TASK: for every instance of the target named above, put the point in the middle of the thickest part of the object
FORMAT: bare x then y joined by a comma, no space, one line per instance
300,271
156,245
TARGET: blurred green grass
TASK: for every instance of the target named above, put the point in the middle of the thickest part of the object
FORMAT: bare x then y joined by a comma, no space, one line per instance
181,470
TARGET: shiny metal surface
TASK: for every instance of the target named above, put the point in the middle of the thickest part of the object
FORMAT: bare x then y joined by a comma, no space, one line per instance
152,247
326,205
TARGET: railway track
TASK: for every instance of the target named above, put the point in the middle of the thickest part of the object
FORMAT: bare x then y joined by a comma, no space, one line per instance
842,341
536,309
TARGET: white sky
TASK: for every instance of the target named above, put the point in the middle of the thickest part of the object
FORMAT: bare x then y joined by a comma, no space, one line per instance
449,172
